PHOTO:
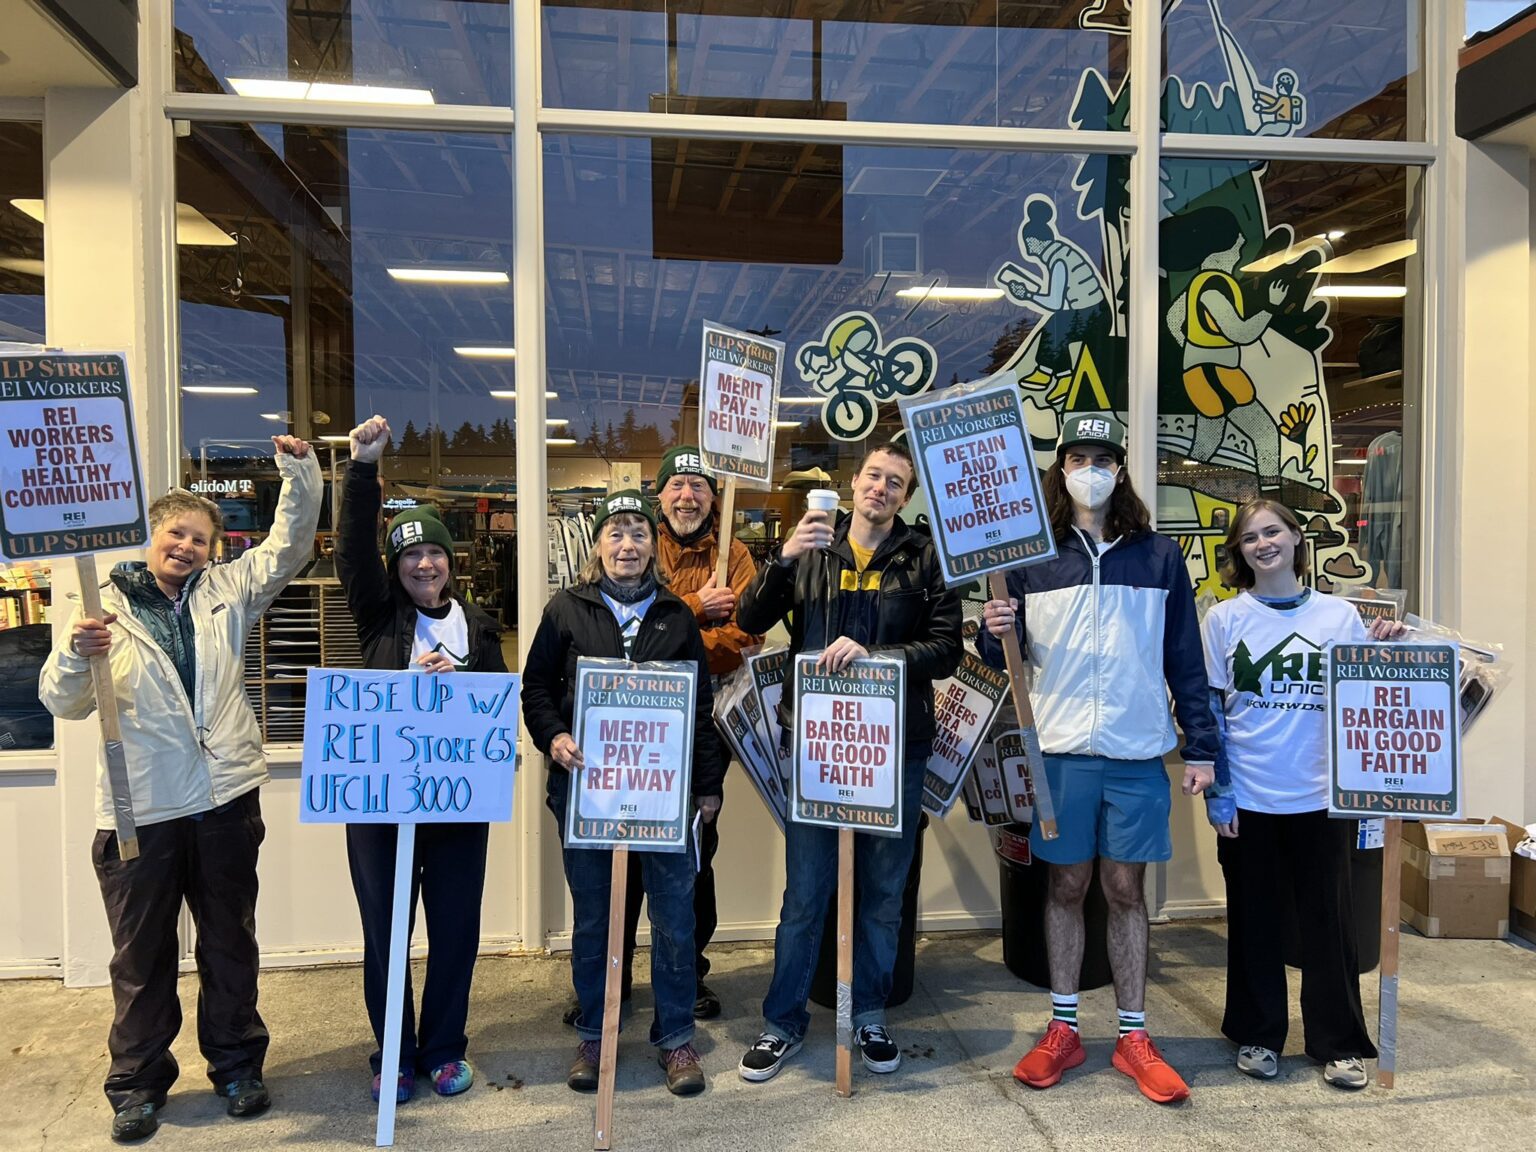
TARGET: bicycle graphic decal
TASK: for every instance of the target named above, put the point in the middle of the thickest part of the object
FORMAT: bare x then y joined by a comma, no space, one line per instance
854,369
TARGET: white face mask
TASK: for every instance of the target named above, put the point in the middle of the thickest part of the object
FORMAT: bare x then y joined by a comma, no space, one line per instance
1091,487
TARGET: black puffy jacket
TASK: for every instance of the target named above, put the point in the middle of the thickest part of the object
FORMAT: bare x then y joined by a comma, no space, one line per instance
578,622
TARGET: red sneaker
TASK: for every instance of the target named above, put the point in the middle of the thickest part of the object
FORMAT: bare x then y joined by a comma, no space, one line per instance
1059,1049
1138,1058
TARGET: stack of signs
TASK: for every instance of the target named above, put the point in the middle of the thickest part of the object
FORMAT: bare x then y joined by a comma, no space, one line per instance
848,744
634,726
740,734
1395,743
964,707
768,671
738,404
983,789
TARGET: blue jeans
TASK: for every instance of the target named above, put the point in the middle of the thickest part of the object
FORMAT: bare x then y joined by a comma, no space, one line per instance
668,882
880,865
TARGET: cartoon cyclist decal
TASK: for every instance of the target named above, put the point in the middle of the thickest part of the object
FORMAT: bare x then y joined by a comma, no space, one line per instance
851,364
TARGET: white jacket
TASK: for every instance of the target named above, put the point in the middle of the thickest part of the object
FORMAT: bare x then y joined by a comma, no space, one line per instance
186,757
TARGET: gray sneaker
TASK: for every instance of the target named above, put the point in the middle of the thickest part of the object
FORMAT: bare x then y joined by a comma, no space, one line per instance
1346,1073
1260,1063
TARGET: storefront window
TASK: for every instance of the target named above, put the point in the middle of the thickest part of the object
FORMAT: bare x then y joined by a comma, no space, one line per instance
398,51
1289,366
25,593
358,272
993,62
1339,68
883,270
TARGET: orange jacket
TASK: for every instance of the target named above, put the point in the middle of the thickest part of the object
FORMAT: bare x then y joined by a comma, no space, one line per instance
688,568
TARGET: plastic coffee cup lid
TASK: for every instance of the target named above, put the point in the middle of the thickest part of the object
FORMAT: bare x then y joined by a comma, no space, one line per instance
821,500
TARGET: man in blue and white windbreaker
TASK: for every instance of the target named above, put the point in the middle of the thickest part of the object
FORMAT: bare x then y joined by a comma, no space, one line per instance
1111,630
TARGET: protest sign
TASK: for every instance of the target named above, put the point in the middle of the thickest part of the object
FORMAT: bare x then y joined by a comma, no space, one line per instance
984,788
768,671
1376,604
634,726
737,731
738,404
974,460
407,747
964,706
1394,748
847,744
1013,774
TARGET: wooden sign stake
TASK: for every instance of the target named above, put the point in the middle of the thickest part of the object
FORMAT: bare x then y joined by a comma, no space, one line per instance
845,962
602,1133
1013,656
724,533
106,710
394,1001
1391,920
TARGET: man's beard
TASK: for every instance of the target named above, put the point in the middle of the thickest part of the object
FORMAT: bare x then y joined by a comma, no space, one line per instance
686,523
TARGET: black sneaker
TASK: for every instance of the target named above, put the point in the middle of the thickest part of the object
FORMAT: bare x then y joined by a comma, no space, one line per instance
764,1059
135,1122
877,1049
706,1005
245,1097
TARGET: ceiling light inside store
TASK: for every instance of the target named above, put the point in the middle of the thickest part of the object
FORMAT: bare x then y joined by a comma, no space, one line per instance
1367,259
335,439
280,417
485,351
220,389
26,265
511,394
1350,462
557,421
449,276
1361,291
802,400
343,93
561,441
937,293
788,424
192,228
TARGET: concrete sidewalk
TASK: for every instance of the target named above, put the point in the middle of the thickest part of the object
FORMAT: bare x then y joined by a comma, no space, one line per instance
1467,1054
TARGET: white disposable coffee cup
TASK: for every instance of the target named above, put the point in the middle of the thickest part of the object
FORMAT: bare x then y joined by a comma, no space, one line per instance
821,500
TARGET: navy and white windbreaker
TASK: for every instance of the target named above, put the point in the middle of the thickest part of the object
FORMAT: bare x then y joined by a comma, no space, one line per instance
1110,635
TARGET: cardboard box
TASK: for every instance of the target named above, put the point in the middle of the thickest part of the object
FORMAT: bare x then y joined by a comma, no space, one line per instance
1522,884
1455,880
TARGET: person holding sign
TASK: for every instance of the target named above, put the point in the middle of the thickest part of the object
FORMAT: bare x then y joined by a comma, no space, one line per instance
1264,655
408,613
174,632
1111,631
619,609
864,586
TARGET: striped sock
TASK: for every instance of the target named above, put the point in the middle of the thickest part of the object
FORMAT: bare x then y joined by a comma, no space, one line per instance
1064,1008
1132,1022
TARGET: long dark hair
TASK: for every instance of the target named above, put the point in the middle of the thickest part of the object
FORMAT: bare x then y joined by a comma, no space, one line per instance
1237,572
1126,516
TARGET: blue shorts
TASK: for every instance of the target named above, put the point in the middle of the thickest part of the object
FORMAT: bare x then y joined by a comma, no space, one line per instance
1117,809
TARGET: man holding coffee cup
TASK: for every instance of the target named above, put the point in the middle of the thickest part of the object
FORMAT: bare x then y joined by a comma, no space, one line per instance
861,585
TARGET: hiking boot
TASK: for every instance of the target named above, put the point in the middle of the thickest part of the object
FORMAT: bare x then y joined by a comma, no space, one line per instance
1260,1063
706,1005
245,1097
135,1122
877,1049
1059,1049
1138,1058
1348,1073
452,1078
405,1086
583,1074
766,1056
685,1075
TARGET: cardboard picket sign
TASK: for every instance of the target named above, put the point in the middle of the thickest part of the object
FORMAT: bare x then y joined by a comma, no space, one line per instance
737,730
634,726
1395,737
848,743
984,788
964,706
406,748
768,671
739,377
1013,774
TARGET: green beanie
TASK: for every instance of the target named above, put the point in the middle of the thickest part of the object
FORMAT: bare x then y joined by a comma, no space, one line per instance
419,525
629,500
686,460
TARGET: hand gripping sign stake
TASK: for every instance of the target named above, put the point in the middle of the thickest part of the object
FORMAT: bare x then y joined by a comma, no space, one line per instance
111,723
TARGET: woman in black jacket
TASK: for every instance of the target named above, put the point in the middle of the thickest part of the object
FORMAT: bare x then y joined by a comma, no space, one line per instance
408,614
618,610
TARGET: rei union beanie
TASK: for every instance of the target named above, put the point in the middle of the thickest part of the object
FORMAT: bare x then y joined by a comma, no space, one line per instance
684,460
419,525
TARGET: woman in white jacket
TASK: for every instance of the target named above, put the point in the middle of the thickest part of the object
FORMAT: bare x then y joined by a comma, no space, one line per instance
174,631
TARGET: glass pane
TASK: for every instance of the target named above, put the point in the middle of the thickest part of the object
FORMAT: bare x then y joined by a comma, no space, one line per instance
412,51
999,62
346,272
882,269
1339,68
1486,15
1290,362
25,635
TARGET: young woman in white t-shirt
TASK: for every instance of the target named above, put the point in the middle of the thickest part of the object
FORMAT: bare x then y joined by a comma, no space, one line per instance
1264,654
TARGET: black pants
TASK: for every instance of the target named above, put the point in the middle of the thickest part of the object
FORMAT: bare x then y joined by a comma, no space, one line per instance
706,916
210,862
1308,854
449,878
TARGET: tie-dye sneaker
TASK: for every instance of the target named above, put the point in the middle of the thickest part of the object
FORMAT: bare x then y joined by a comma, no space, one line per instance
452,1078
405,1086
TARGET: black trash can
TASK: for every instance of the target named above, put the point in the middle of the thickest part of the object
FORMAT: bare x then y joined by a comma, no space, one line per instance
1365,878
1022,894
824,982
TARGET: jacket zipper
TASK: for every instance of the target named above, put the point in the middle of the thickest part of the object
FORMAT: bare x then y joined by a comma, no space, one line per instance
1093,731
